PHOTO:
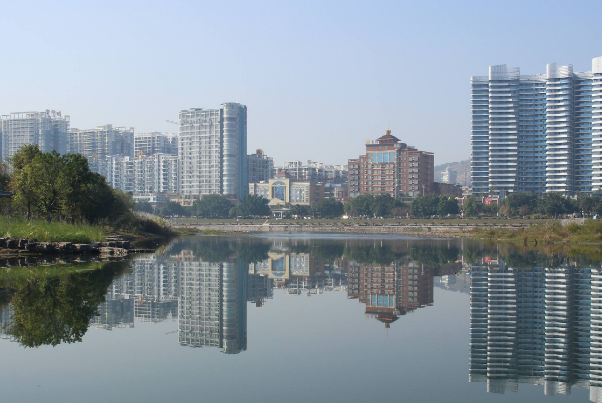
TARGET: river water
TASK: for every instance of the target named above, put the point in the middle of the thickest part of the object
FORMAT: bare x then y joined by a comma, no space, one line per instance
307,318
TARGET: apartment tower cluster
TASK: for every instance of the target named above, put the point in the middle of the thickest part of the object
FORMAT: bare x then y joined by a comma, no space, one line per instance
208,156
537,133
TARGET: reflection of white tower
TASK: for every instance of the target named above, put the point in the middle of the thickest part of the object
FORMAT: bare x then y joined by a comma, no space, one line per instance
212,307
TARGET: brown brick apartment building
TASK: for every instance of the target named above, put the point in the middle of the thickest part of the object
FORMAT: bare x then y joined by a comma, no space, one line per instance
390,166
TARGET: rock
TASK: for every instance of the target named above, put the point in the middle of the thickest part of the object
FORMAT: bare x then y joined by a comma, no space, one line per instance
65,247
31,246
123,244
22,243
2,242
12,243
82,248
46,247
113,251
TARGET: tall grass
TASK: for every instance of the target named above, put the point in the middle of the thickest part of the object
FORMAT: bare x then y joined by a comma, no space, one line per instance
40,230
548,233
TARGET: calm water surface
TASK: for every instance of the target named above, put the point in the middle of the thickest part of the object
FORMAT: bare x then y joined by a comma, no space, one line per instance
320,319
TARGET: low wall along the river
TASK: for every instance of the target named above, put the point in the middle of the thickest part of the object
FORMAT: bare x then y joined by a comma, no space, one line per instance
454,230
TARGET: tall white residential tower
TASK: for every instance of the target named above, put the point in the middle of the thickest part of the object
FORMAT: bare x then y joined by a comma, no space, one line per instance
213,151
537,133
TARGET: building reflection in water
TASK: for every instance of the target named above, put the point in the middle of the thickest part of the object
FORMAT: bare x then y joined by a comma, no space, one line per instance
205,285
392,290
541,326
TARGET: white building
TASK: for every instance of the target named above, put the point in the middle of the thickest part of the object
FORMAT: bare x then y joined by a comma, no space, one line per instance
316,171
99,143
120,172
155,143
147,175
260,167
157,173
449,176
537,133
46,129
213,151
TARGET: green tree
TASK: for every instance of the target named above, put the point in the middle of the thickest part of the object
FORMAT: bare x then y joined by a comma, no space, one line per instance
589,204
173,209
382,205
521,203
470,207
360,206
253,205
46,179
329,208
425,206
75,177
447,205
23,157
212,206
144,206
551,204
300,210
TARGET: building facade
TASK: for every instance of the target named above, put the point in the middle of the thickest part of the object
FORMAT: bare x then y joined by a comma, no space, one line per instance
390,166
283,189
213,151
449,176
316,172
146,175
537,133
102,142
146,144
48,130
260,167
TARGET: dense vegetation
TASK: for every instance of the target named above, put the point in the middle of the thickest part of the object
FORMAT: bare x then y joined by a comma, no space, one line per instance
61,190
382,205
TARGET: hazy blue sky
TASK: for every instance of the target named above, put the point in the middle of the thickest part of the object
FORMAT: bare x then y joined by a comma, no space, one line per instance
318,77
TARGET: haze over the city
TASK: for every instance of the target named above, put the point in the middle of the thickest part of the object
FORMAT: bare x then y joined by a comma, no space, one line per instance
319,78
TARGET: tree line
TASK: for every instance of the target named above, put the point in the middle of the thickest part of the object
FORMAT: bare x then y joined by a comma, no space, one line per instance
547,205
60,187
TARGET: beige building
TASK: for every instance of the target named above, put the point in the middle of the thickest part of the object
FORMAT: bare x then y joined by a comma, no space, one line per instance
284,189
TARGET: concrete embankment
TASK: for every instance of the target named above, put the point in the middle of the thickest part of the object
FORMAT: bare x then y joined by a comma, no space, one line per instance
418,230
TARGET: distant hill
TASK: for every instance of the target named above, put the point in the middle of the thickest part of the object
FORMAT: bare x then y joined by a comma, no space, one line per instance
459,167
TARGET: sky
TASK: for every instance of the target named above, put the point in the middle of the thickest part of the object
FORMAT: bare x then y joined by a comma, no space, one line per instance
319,78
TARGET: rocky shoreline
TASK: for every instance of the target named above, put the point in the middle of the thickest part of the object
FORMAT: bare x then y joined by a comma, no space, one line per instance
111,247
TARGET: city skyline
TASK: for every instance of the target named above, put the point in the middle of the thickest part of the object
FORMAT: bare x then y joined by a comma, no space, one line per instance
350,75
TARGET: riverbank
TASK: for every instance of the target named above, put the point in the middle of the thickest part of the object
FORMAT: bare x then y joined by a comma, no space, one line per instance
371,227
590,231
547,232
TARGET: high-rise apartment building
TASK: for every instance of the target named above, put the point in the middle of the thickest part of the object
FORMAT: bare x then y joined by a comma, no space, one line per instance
260,167
537,133
155,143
46,129
145,175
98,144
213,151
316,171
390,166
156,174
449,176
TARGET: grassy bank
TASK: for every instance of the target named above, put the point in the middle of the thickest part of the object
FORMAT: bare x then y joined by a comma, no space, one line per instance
40,230
547,233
